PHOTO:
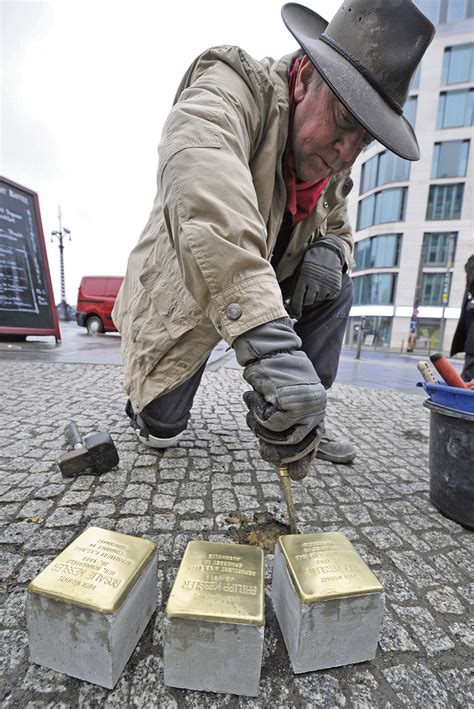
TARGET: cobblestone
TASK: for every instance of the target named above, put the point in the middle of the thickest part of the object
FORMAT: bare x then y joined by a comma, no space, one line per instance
417,686
380,502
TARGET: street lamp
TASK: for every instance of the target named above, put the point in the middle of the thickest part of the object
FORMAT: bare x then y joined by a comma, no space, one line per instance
64,310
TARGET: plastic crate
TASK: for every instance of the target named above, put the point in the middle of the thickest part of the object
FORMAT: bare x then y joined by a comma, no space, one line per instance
450,397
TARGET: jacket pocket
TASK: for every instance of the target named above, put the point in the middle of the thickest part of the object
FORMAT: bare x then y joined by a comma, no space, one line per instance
177,309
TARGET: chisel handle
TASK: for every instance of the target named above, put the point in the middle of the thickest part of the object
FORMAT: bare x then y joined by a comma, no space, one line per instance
72,434
426,373
447,370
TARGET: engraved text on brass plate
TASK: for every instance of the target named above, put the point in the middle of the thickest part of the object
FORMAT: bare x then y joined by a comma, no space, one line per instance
325,565
96,570
220,582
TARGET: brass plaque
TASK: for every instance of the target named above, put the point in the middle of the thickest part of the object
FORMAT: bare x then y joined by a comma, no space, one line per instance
97,570
220,582
325,565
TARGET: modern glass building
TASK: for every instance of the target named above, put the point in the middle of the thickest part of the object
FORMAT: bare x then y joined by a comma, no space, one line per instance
414,222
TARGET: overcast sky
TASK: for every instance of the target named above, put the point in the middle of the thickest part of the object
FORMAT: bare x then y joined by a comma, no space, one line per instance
86,88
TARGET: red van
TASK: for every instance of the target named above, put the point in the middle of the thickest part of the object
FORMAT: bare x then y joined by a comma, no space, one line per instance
95,300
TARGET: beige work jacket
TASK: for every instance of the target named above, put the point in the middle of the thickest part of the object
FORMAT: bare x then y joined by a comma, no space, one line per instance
209,239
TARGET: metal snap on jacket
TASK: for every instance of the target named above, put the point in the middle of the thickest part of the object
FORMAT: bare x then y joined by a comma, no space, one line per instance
325,205
234,311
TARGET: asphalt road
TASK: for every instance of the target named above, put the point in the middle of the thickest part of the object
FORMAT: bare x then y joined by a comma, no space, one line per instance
375,370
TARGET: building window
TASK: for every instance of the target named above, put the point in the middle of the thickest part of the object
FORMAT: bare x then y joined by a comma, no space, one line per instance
377,252
410,110
445,201
383,168
459,10
458,64
392,168
450,159
443,11
439,248
381,207
368,178
433,285
374,289
455,108
390,206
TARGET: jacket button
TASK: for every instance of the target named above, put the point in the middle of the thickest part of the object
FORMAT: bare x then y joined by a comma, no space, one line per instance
325,205
234,311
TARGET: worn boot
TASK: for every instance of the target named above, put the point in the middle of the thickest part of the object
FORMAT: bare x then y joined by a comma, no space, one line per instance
154,433
335,450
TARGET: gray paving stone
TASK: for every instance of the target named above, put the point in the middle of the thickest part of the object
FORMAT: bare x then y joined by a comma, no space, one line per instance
48,491
224,500
396,588
17,643
395,637
32,566
133,525
188,507
54,539
409,538
460,683
64,516
464,631
142,492
75,497
416,685
8,563
99,509
424,626
380,502
12,611
445,600
16,494
467,592
323,688
135,507
40,679
415,568
383,537
362,689
18,532
147,688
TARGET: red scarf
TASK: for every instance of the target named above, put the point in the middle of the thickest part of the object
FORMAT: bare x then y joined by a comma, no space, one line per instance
301,196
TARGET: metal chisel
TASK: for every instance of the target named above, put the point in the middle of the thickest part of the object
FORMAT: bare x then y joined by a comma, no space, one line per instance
286,485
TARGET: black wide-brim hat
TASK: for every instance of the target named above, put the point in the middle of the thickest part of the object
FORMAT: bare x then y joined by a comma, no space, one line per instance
367,55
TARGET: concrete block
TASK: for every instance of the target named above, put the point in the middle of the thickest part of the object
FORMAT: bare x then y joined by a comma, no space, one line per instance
328,603
86,611
214,620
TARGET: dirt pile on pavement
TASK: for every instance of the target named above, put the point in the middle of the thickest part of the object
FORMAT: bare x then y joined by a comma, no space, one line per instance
262,532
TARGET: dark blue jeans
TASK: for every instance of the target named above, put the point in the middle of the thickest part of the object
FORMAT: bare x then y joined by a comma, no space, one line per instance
321,329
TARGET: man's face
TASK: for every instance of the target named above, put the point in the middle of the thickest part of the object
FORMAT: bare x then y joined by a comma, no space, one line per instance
326,137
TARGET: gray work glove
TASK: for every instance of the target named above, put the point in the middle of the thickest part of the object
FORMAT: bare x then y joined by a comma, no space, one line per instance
320,275
287,406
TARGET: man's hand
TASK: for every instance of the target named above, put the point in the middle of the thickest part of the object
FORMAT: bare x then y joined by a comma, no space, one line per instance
287,406
320,275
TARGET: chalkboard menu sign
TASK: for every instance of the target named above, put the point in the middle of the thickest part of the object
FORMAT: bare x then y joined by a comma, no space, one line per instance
26,296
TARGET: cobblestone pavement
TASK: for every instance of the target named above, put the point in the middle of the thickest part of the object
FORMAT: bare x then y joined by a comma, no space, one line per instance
380,502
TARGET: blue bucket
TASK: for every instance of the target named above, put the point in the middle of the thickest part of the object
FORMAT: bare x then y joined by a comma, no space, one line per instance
450,397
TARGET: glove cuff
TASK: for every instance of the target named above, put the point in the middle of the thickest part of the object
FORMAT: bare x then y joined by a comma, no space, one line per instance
265,340
333,243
